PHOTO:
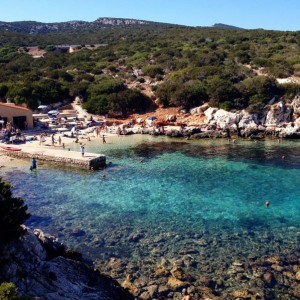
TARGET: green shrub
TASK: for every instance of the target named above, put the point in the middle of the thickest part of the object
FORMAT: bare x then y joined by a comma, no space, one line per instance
153,70
13,213
8,291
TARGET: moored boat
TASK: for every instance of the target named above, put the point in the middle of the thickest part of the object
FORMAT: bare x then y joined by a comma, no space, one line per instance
9,148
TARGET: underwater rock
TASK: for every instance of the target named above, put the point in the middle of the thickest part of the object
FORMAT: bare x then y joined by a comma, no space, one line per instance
207,281
180,274
237,264
145,296
163,290
77,232
128,284
161,271
269,279
243,294
201,242
152,290
295,290
277,268
99,242
219,283
273,260
176,284
135,236
207,293
116,264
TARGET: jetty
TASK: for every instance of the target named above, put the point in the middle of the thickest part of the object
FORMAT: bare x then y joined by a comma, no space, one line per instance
60,157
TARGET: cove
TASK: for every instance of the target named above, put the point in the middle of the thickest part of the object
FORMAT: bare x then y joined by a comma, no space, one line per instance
167,198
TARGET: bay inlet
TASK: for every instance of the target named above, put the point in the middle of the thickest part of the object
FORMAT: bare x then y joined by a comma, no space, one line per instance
197,205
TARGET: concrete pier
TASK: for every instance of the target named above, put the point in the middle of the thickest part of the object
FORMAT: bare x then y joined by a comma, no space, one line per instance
90,161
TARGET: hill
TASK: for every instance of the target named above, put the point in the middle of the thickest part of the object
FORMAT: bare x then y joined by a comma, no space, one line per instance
225,26
32,27
129,66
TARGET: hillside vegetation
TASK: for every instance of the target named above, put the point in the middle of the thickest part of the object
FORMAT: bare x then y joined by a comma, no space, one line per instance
184,66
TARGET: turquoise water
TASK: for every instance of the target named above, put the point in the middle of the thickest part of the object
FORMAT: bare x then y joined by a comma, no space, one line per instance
173,193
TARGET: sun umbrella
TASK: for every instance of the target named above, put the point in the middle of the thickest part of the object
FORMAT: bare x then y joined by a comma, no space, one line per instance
152,118
53,112
43,107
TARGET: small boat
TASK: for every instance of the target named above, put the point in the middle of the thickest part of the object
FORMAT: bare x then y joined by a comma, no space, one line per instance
9,148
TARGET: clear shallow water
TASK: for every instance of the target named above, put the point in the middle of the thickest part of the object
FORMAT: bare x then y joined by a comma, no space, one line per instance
183,191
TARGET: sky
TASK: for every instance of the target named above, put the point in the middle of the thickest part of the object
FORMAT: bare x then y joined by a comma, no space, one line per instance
248,14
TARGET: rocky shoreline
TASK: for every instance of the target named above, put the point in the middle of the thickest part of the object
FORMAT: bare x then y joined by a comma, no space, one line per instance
278,119
42,268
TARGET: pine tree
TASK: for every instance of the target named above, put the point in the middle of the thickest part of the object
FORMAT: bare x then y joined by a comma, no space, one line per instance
13,213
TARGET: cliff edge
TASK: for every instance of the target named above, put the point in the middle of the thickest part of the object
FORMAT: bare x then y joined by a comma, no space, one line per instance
38,265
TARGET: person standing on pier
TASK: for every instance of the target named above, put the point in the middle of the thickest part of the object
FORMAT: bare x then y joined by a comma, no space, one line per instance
103,139
82,149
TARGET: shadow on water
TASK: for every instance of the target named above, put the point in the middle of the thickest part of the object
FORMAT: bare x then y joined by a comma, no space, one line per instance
258,153
34,219
251,223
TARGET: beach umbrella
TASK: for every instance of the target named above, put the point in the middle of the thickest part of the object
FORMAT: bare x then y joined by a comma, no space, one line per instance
152,118
43,107
53,112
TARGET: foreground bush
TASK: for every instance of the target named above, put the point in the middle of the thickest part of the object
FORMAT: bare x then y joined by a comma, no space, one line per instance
13,213
8,291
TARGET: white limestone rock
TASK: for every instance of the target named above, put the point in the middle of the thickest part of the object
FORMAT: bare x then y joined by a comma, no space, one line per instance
247,120
279,113
296,106
199,109
225,119
290,131
209,113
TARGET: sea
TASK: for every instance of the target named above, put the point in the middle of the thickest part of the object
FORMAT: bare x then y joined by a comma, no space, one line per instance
164,198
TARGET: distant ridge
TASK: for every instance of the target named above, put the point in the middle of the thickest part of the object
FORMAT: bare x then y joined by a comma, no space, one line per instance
33,27
225,26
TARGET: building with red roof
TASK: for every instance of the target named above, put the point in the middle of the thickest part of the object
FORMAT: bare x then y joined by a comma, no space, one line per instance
19,116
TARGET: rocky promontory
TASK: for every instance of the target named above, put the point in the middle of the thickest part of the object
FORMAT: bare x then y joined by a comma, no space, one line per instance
42,267
278,119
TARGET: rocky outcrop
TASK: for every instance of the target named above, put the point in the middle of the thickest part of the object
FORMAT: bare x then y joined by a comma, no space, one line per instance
296,107
279,118
36,263
289,131
279,113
